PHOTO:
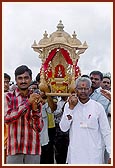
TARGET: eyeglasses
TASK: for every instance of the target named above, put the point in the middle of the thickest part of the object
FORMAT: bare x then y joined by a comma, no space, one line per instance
81,89
6,82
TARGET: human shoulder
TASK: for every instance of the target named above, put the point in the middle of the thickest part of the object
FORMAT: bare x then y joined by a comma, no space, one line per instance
12,93
96,107
66,104
101,98
96,103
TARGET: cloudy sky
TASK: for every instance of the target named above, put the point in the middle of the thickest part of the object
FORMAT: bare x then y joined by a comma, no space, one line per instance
25,22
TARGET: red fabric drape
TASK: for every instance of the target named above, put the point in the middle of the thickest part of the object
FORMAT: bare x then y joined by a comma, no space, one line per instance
52,54
76,69
66,56
49,58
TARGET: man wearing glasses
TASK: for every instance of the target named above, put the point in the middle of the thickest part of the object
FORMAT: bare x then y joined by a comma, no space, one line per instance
88,126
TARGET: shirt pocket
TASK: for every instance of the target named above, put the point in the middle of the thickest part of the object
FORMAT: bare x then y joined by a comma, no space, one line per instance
92,123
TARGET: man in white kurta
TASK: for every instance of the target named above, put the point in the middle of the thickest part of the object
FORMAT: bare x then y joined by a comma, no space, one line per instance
88,125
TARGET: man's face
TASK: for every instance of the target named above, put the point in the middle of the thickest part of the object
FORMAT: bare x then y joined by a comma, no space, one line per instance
6,84
96,81
23,81
106,84
32,88
83,90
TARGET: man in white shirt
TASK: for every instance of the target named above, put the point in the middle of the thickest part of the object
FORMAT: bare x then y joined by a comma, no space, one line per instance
88,126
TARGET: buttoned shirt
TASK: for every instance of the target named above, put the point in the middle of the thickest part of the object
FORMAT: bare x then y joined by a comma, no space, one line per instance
87,129
24,124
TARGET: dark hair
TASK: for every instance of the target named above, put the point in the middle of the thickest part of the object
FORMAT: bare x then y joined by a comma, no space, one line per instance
108,77
38,77
34,83
85,76
97,73
7,76
22,69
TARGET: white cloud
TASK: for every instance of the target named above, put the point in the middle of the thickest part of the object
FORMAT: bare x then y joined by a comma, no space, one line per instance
25,22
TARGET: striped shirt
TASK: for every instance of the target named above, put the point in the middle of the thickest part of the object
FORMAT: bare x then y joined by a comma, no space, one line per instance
24,124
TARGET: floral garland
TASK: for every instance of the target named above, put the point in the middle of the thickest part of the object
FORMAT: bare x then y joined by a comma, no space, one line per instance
59,89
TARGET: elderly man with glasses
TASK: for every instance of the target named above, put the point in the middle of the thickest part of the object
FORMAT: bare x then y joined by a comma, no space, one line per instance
88,126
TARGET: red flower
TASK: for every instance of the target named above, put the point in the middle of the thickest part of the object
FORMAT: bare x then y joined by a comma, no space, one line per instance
65,84
59,91
53,83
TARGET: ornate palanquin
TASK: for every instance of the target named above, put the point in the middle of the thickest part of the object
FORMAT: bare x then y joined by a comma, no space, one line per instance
59,54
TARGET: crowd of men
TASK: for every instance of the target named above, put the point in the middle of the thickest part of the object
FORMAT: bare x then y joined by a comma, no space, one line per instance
40,129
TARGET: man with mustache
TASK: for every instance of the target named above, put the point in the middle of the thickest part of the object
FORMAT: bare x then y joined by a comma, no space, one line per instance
23,116
97,78
106,83
87,123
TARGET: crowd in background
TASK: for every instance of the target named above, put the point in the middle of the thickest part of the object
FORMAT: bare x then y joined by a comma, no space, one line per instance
41,129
